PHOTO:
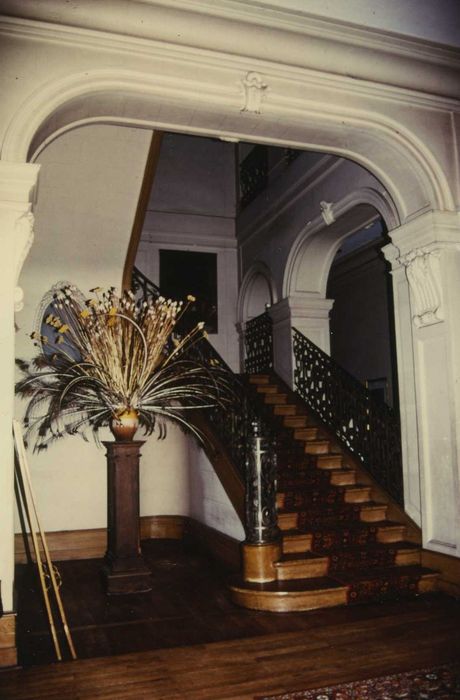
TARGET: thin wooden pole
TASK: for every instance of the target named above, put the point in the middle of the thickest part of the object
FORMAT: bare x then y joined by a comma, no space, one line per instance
38,558
49,563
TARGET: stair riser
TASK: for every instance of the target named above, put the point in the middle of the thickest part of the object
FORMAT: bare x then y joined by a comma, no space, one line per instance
296,421
428,583
259,379
306,433
267,389
287,410
297,545
287,521
373,515
329,461
387,536
275,399
317,448
290,602
408,558
310,569
358,495
345,478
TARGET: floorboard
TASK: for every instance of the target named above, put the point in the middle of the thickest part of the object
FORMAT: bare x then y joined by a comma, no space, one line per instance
187,640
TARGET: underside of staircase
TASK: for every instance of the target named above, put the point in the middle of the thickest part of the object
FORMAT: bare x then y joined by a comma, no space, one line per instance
339,545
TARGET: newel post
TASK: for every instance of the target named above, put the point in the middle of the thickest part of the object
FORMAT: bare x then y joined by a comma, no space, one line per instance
262,547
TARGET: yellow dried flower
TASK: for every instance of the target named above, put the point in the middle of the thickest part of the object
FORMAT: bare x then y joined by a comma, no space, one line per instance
64,328
85,313
190,297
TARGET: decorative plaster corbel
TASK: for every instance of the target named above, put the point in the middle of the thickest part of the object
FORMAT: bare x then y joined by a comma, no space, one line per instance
327,213
23,237
424,277
254,88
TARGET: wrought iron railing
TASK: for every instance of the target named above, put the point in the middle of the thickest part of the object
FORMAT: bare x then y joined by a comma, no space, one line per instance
258,342
253,174
143,287
235,422
368,428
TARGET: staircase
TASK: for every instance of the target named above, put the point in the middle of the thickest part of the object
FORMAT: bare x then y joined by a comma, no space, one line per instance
339,544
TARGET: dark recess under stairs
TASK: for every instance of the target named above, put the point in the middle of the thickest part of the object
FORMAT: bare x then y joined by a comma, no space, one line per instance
339,546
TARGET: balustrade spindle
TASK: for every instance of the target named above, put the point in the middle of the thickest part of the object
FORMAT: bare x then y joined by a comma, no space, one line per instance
261,515
258,341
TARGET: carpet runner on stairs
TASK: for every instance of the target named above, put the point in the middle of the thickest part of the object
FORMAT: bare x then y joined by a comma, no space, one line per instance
339,547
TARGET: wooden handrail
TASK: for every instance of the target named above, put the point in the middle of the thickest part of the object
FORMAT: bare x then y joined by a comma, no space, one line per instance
139,218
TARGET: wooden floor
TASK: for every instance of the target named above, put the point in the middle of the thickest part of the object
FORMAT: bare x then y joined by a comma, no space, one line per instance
187,640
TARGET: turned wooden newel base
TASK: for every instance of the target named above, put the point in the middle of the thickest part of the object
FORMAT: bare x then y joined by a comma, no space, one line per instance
259,561
124,568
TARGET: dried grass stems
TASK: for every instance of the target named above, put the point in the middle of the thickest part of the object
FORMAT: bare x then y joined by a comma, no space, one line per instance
110,354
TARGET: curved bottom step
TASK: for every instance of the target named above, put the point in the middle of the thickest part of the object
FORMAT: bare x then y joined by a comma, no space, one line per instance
296,595
289,596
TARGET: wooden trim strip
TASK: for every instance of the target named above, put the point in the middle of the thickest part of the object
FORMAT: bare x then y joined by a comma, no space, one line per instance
8,653
139,218
449,568
92,544
226,549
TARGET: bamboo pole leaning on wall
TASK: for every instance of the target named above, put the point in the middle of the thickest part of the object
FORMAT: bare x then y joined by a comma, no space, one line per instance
46,568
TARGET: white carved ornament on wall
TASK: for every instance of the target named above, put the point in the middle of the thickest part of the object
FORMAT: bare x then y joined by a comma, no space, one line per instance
254,89
24,237
424,277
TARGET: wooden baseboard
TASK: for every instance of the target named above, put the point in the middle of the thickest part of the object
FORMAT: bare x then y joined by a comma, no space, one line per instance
449,568
222,547
92,544
8,653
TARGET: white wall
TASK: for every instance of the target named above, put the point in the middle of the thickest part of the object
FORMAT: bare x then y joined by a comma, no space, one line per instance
360,317
269,227
192,207
435,20
88,192
209,503
87,199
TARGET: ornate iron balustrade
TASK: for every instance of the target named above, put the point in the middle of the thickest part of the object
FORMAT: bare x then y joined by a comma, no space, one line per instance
249,439
252,453
368,428
143,287
253,174
258,341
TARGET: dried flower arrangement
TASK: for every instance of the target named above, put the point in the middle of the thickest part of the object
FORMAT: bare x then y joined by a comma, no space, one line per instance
109,356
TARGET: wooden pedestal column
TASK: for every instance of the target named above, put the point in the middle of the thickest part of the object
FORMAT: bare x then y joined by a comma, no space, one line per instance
125,570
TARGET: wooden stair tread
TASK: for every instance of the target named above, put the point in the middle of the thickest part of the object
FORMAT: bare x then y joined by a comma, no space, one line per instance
301,556
318,506
348,577
259,378
370,546
299,585
332,488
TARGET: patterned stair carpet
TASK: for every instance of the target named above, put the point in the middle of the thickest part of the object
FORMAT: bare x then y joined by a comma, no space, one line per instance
321,499
439,683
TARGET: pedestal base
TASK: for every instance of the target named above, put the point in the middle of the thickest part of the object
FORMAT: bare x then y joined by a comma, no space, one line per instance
124,569
122,581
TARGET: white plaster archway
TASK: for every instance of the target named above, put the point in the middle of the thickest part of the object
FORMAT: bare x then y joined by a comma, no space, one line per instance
311,256
395,155
257,291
